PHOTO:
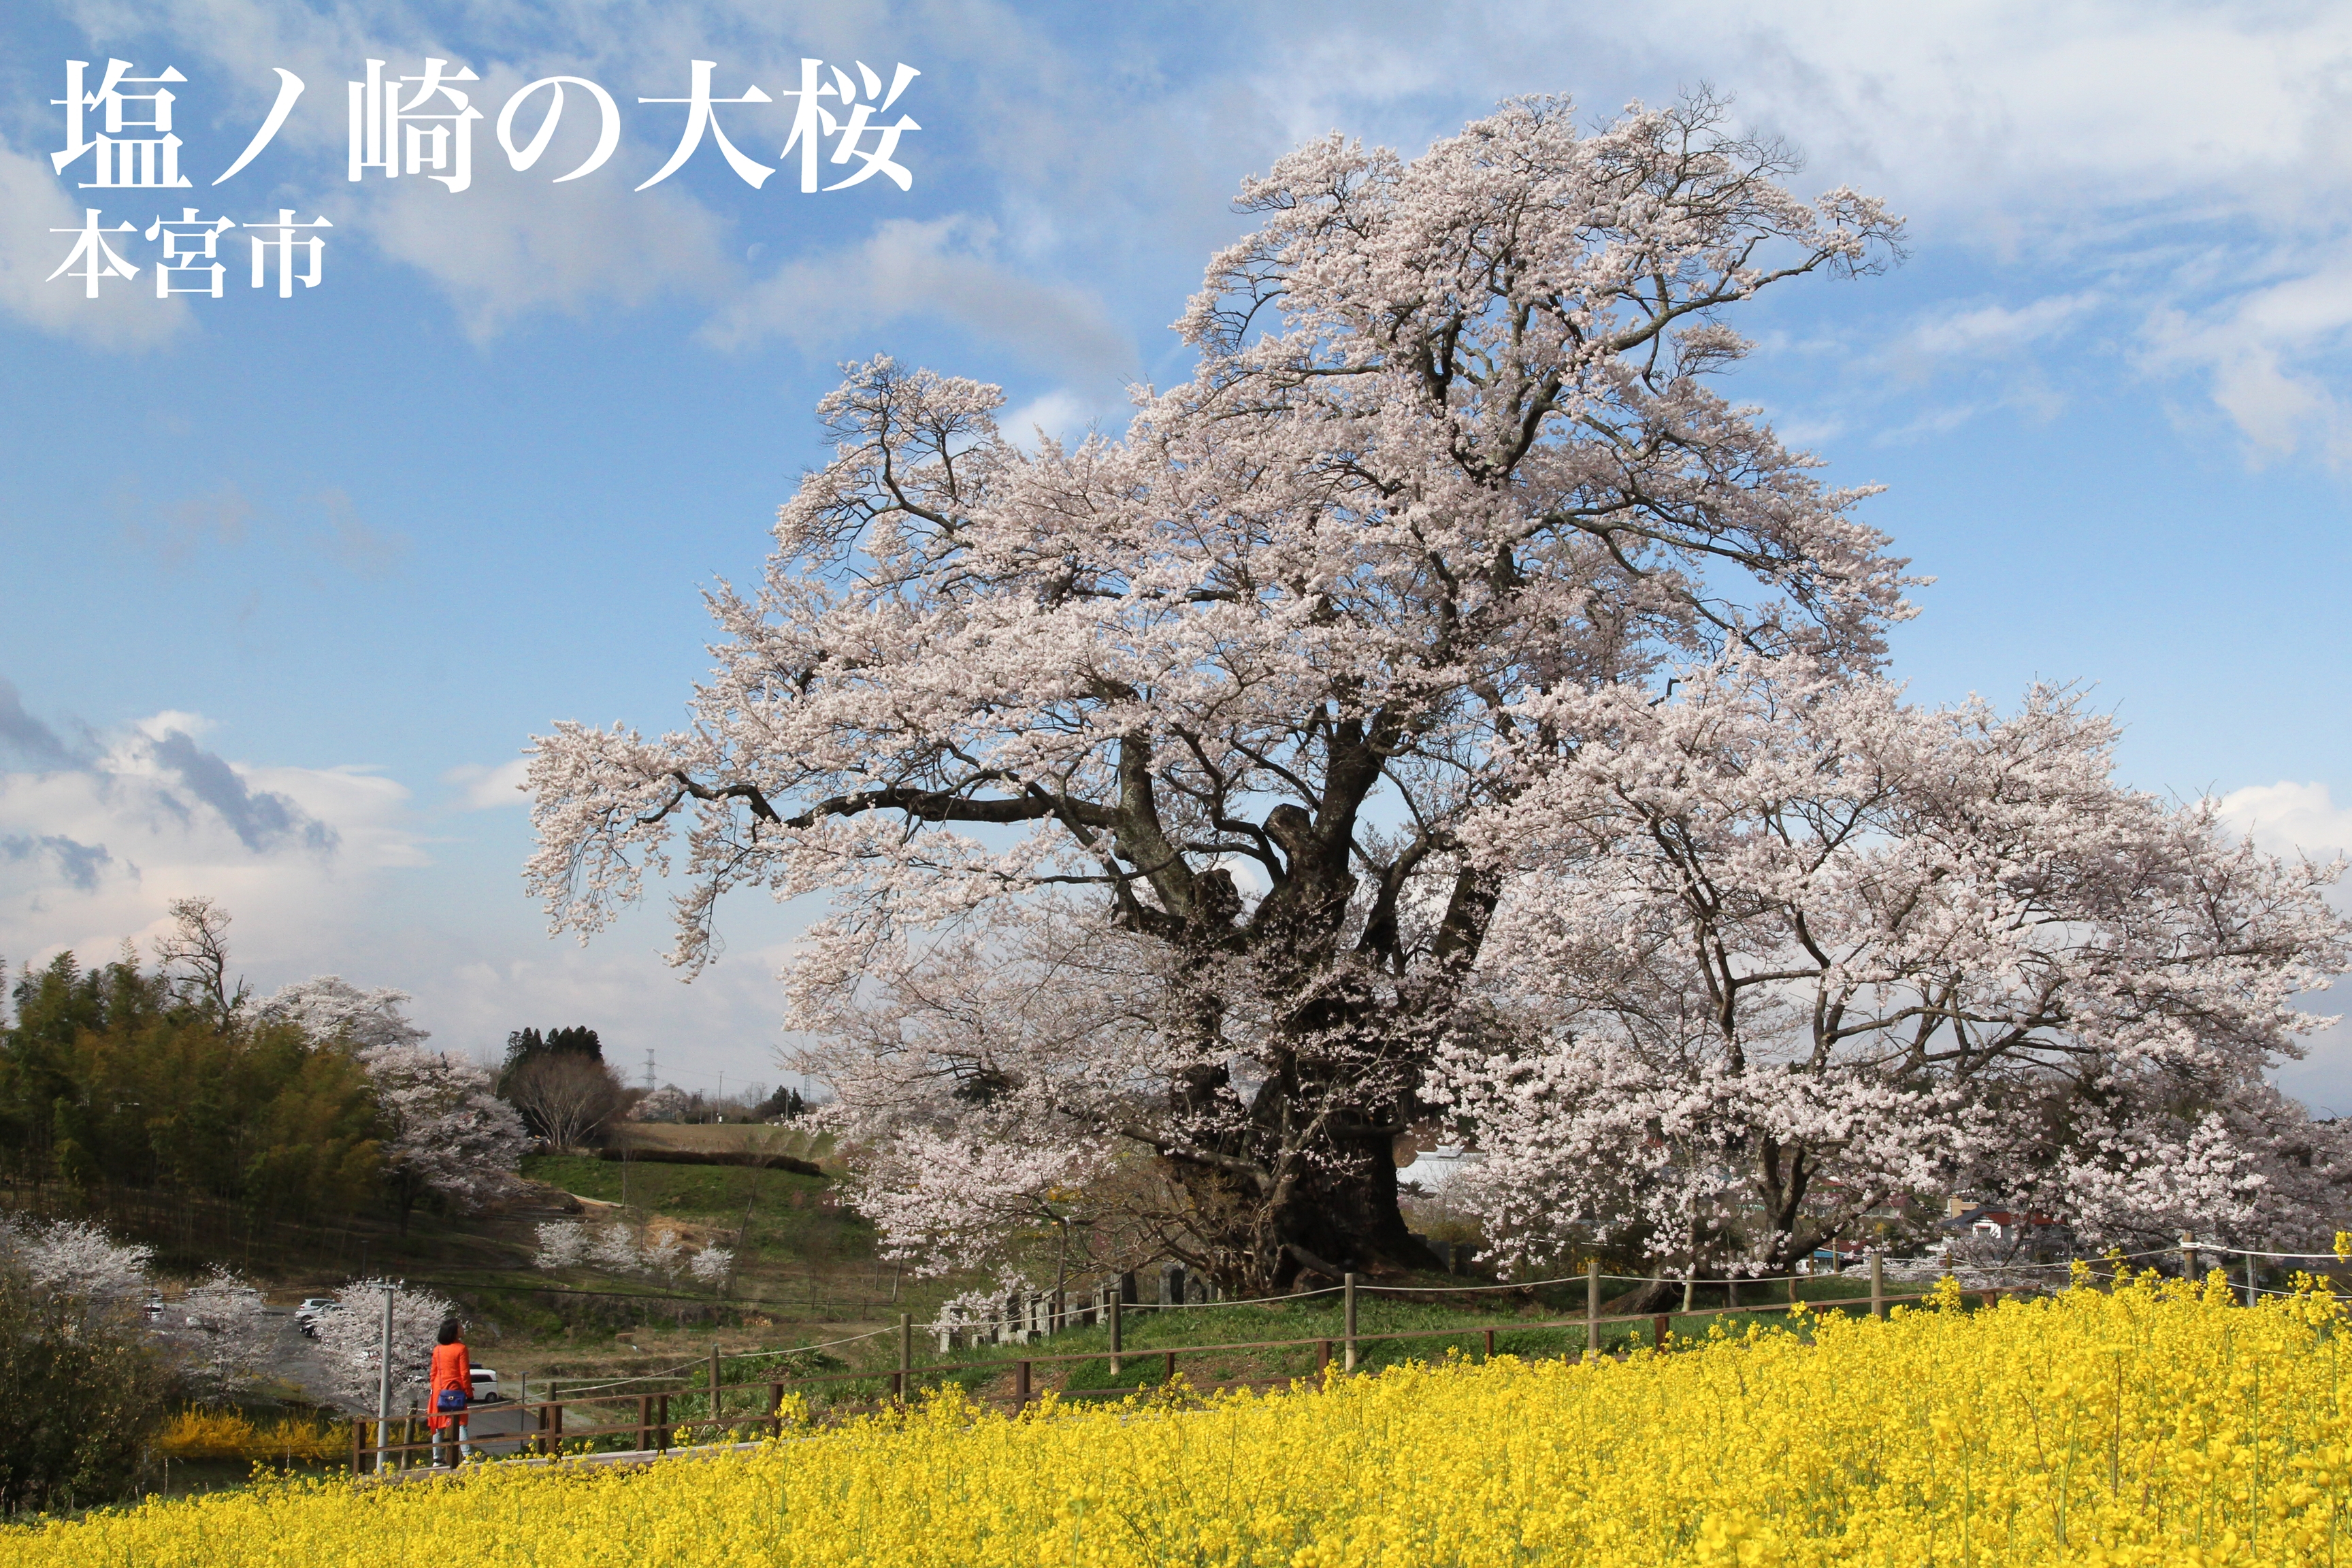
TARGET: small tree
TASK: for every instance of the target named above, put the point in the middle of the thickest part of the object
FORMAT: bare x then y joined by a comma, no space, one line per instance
350,1337
82,1393
219,1335
446,1133
565,1099
195,954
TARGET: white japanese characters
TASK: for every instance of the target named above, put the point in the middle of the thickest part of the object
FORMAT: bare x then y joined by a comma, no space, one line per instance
121,160
119,133
389,133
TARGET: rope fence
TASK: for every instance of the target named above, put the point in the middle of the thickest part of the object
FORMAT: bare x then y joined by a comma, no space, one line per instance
695,1398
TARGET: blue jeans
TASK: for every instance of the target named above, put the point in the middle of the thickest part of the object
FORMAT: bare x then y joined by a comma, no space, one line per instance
454,1434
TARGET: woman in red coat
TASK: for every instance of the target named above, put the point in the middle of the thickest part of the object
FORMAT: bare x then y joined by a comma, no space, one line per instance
451,1387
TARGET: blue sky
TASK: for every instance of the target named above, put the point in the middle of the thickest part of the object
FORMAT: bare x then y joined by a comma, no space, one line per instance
290,581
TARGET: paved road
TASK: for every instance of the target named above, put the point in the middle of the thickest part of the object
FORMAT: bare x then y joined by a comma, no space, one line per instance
299,1358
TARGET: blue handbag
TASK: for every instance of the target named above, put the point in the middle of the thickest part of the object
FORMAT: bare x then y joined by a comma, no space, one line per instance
450,1400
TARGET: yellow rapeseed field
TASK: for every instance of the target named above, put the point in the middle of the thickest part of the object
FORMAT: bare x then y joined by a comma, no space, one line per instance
2154,1425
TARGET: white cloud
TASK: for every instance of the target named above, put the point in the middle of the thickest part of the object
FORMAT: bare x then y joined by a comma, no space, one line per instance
1993,329
941,269
2265,356
482,787
93,844
1059,415
518,243
33,203
2289,819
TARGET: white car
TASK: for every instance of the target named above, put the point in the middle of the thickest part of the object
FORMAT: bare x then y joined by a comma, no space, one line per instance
486,1385
306,1316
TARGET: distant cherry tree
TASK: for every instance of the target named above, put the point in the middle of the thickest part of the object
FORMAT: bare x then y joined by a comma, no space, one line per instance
350,1335
445,1133
1136,769
76,1258
445,1129
329,1008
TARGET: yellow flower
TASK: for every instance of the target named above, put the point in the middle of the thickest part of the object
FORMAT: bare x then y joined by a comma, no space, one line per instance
2155,1424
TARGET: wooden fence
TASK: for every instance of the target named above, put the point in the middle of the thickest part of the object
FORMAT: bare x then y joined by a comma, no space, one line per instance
650,1425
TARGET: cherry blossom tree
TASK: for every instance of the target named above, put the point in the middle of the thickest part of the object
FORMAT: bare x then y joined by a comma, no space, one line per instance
1785,948
445,1133
1234,678
329,1008
219,1334
562,1243
350,1335
76,1258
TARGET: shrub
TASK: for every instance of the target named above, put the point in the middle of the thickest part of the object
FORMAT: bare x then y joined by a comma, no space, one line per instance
81,1393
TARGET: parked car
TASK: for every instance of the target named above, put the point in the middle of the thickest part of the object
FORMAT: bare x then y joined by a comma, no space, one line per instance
306,1316
486,1385
153,1310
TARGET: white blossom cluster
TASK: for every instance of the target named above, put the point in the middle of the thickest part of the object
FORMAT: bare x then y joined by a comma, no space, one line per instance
75,1258
351,1333
219,1334
617,1249
1787,949
446,1129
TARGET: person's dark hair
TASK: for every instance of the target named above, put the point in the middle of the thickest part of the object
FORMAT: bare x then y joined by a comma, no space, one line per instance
449,1330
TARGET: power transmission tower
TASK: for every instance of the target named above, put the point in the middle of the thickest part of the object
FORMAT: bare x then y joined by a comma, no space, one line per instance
649,1069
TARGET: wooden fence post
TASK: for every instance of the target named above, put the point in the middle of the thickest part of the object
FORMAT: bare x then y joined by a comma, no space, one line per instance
1592,1307
1490,1344
1660,1327
1020,1385
2188,1257
644,1422
776,1407
1115,1296
661,1423
1348,1292
715,1427
1322,1355
1877,1284
357,1422
2250,1291
906,1357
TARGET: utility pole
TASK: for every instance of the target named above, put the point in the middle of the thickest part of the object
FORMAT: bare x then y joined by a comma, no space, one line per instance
384,1386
